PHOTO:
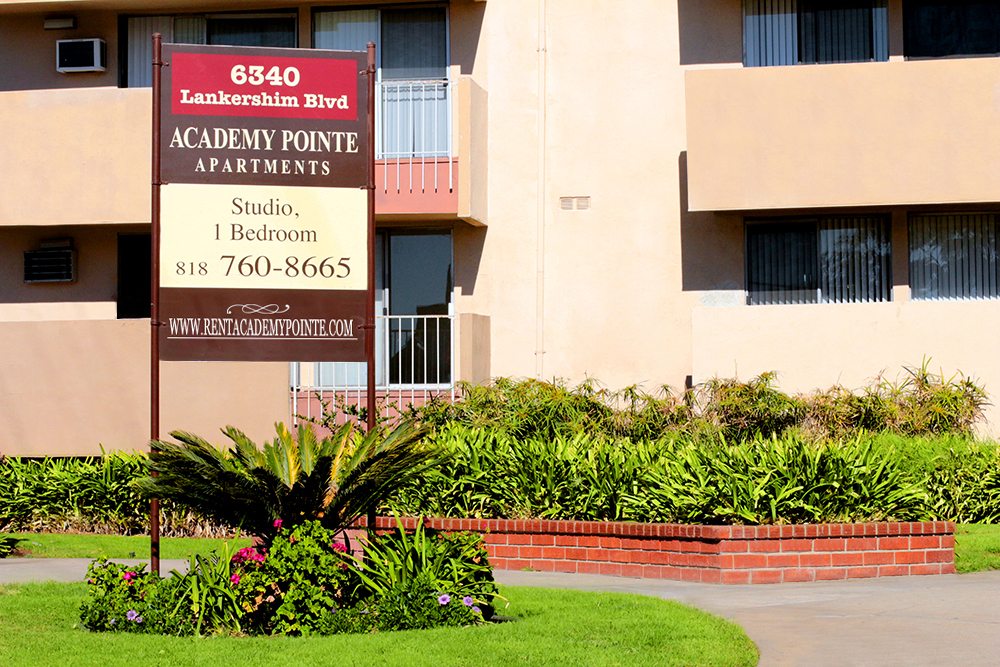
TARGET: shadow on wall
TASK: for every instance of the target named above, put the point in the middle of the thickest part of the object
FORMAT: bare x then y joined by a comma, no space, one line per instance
466,31
711,245
711,31
469,242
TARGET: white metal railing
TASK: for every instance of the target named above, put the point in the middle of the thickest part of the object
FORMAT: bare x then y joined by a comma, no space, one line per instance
414,133
414,362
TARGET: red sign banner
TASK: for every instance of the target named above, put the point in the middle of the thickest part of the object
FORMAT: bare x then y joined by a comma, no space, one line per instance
264,86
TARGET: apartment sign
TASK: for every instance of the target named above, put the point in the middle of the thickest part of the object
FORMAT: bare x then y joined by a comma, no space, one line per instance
263,207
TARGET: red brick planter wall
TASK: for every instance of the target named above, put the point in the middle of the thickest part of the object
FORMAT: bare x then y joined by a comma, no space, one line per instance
713,554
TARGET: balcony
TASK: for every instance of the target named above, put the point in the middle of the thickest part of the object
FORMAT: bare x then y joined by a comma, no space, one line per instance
866,134
82,155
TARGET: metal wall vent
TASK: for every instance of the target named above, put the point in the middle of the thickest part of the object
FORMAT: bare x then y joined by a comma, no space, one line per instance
574,203
54,262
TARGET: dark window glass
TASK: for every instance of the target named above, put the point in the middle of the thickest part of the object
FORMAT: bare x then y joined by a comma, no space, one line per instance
414,43
954,256
260,31
134,275
935,29
835,31
781,263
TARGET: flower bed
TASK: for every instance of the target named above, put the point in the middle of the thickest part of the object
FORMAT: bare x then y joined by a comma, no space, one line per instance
713,554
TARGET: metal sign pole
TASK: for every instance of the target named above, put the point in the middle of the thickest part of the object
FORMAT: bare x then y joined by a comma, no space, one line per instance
370,331
154,319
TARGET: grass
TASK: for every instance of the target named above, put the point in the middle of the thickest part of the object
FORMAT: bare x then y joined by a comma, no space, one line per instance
977,547
557,628
63,545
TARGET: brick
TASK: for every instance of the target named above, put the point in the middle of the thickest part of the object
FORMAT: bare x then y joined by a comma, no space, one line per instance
736,577
576,554
518,538
690,574
689,546
797,545
941,556
925,542
910,557
847,558
679,560
586,567
799,574
543,540
495,538
554,553
734,546
613,569
812,531
893,570
543,565
931,568
632,570
947,541
619,556
530,552
498,563
632,543
660,557
564,566
861,544
765,577
880,558
783,560
602,555
749,561
652,572
861,572
588,541
506,552
947,568
764,546
611,543
893,543
643,557
710,576
830,544
829,573
517,564
816,560
566,540
726,561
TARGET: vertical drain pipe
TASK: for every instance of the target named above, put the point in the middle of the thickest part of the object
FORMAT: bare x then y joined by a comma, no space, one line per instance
540,219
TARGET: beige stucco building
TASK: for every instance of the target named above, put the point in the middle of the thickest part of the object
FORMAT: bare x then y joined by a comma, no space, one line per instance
650,192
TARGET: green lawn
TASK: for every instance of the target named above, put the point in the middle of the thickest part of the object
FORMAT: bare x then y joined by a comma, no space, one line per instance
59,545
38,625
977,547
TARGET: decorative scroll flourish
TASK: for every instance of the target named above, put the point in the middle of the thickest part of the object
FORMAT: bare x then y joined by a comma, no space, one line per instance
254,309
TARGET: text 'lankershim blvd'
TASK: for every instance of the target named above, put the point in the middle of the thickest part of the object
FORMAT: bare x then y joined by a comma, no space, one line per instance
263,99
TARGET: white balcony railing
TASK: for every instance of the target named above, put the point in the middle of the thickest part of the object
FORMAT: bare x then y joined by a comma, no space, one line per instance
414,132
414,361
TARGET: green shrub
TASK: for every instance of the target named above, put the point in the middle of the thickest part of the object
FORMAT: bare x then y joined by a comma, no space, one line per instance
742,410
8,544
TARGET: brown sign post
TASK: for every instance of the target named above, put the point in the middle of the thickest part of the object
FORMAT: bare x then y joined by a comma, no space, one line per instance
263,212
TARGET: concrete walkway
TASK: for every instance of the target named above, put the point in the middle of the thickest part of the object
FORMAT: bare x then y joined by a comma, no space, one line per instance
949,620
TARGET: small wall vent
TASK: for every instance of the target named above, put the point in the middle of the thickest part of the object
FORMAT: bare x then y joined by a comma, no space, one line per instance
53,262
81,55
574,203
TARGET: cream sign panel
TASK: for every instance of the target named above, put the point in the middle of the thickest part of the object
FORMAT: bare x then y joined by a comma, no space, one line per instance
263,237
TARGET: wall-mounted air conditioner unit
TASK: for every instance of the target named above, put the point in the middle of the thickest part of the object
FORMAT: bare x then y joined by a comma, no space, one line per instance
81,55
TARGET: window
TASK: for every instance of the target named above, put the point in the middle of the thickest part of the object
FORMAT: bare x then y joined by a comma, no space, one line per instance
954,256
134,275
789,32
937,28
278,30
818,260
412,104
413,286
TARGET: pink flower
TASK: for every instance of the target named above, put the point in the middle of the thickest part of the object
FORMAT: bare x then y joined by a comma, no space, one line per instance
129,576
337,546
277,523
235,579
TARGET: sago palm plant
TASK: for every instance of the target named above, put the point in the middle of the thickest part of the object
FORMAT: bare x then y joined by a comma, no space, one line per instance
295,478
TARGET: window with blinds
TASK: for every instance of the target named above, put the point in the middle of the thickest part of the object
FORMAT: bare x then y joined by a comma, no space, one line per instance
789,32
938,29
276,30
835,259
954,256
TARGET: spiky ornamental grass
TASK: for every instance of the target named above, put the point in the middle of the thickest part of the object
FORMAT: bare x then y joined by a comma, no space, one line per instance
294,478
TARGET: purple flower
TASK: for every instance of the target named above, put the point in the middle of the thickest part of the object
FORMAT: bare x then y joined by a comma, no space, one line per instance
475,610
111,622
467,601
444,599
138,619
131,615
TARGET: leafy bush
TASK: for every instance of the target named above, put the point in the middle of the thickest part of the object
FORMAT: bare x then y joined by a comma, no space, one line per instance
743,410
305,583
8,544
295,478
783,479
